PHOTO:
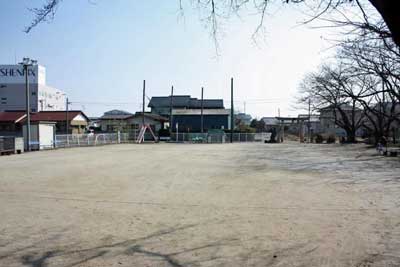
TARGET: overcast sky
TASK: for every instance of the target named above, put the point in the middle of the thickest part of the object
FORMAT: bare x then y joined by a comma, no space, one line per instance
100,53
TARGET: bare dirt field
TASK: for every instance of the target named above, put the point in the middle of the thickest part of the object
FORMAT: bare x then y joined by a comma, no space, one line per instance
200,205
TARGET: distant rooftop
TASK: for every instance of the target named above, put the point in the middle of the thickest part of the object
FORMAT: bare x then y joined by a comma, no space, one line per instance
185,101
116,114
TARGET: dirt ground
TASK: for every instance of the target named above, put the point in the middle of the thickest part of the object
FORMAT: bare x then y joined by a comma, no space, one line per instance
200,205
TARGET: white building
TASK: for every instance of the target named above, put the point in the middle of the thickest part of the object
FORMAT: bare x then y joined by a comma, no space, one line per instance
42,96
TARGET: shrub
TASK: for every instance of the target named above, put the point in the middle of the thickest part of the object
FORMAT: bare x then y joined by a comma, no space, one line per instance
319,139
331,139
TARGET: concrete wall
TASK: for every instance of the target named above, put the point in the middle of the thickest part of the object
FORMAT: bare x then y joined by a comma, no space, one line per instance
34,137
50,99
12,97
46,136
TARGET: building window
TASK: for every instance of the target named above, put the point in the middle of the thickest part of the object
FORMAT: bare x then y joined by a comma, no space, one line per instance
33,93
135,126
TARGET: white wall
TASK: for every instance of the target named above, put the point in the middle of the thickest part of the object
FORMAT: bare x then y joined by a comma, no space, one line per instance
14,74
13,94
46,135
50,99
42,136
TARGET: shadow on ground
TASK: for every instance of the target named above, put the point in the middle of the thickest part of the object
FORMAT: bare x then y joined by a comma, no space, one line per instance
110,253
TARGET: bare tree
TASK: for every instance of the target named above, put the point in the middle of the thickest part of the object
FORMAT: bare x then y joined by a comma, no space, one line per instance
330,91
373,56
366,77
375,64
44,13
220,9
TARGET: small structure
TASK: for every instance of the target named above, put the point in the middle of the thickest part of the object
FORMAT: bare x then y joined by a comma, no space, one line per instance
42,135
11,122
75,120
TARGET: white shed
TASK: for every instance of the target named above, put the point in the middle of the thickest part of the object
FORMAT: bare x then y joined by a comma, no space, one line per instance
42,135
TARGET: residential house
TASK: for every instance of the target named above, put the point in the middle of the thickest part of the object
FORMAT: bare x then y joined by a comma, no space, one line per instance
244,118
115,120
118,120
330,118
11,122
187,112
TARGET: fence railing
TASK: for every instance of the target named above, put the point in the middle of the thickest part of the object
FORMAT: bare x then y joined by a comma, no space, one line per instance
77,140
220,137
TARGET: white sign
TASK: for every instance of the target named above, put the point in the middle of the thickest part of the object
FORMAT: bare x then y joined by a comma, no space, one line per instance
14,74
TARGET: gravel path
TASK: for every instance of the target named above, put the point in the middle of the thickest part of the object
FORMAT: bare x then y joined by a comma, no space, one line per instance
200,205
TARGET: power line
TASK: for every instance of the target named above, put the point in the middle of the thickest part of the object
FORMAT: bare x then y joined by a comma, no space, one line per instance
104,103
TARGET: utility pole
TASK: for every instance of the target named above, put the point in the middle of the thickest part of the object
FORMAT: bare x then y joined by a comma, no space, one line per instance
143,107
280,124
202,107
66,116
232,120
26,63
244,107
28,109
385,134
170,110
309,120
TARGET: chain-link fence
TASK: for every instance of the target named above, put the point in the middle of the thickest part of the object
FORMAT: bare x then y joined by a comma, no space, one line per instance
77,140
220,137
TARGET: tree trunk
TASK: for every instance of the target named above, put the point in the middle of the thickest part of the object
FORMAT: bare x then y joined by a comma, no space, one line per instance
390,13
351,136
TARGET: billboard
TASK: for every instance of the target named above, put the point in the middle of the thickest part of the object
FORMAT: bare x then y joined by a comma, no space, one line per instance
15,74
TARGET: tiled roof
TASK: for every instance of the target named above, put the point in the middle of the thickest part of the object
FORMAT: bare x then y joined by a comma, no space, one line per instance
184,101
11,116
115,117
54,116
116,114
270,121
151,116
164,101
